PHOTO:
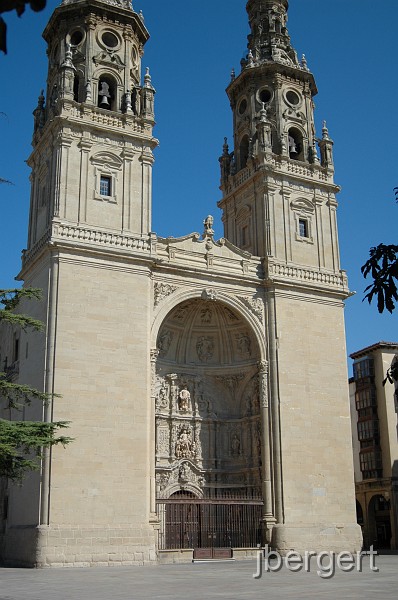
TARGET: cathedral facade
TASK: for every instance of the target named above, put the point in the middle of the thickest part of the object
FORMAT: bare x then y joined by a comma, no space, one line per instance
204,380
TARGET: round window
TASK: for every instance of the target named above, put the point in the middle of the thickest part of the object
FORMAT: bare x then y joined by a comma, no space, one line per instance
76,37
265,96
242,106
109,39
292,98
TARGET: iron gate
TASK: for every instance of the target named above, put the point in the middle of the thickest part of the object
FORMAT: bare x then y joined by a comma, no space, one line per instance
204,523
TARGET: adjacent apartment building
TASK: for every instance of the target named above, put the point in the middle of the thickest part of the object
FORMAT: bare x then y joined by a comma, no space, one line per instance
374,409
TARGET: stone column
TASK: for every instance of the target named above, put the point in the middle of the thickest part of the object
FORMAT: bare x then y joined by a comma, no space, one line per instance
85,146
274,409
152,434
268,516
49,385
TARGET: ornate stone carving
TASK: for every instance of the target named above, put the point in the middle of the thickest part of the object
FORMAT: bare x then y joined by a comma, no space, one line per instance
162,480
231,381
263,382
235,445
162,399
255,305
162,445
181,311
185,474
184,400
206,315
231,317
164,342
243,344
184,446
209,294
153,358
162,290
205,348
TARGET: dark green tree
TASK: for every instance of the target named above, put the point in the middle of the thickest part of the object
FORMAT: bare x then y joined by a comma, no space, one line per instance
382,266
22,442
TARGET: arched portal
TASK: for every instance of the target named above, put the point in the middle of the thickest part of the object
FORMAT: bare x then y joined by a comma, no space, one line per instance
379,522
208,423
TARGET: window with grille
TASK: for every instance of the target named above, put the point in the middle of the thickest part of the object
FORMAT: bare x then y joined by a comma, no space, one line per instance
105,185
303,228
371,464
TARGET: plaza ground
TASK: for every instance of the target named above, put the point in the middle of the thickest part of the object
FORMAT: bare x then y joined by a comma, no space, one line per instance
229,580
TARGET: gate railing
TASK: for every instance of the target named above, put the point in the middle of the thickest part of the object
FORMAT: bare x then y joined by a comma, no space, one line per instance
209,523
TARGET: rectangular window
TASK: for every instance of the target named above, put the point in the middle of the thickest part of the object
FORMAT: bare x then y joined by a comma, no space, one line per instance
303,228
363,368
371,464
105,185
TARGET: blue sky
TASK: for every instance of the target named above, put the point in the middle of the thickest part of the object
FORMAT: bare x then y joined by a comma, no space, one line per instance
350,47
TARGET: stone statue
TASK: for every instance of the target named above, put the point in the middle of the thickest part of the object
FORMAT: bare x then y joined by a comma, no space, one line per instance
184,445
184,399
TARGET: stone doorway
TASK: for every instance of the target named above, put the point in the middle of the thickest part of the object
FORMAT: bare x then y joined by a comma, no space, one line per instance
208,427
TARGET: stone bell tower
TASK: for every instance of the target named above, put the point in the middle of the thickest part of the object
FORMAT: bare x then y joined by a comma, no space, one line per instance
275,152
92,145
279,204
89,248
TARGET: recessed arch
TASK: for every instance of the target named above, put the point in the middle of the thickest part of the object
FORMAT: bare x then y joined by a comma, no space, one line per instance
207,410
228,300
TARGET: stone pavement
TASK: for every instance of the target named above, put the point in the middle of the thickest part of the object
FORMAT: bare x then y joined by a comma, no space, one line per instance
200,581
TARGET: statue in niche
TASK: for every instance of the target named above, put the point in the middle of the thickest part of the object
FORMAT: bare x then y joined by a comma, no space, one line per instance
235,445
184,400
205,348
243,343
162,401
184,472
184,445
164,342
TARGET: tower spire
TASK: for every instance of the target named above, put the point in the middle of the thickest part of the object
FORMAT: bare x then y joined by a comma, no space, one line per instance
269,38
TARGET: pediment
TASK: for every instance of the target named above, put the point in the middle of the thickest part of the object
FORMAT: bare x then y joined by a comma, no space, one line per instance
302,205
107,159
193,243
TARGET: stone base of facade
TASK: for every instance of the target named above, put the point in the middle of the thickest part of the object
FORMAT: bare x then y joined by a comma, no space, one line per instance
78,546
317,538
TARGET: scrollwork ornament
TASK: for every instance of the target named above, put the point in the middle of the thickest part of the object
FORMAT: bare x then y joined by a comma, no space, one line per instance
161,291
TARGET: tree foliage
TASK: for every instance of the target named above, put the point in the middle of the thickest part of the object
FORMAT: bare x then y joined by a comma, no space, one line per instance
392,373
382,266
383,269
22,442
19,7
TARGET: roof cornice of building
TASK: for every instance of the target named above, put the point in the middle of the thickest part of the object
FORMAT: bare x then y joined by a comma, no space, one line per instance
378,346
